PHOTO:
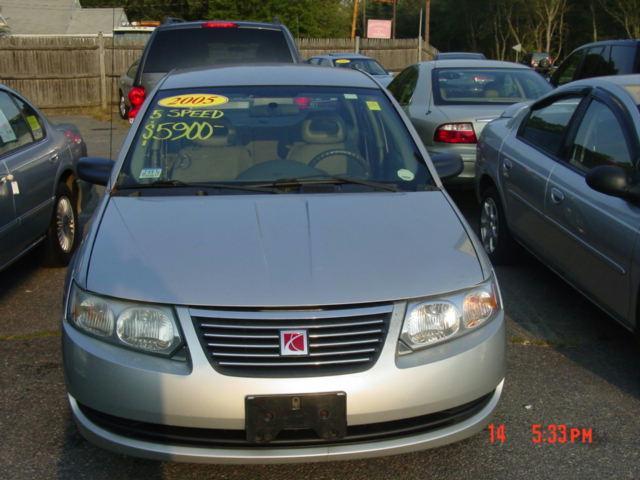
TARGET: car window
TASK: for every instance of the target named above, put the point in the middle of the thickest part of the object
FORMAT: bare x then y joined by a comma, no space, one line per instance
314,61
325,62
595,62
469,86
14,130
623,59
365,64
263,134
600,140
567,69
33,119
195,47
545,127
403,86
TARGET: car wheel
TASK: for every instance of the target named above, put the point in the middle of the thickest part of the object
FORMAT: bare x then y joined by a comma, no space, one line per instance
494,232
122,107
63,234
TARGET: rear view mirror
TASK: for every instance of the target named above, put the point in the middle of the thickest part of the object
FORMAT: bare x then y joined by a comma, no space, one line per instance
95,170
447,165
614,181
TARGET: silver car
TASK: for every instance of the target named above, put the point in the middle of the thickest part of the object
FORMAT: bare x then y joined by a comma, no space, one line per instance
560,178
39,195
276,274
450,101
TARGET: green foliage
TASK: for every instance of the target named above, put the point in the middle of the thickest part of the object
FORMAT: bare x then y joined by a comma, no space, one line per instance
307,18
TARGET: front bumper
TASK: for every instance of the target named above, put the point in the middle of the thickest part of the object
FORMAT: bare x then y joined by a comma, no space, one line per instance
142,388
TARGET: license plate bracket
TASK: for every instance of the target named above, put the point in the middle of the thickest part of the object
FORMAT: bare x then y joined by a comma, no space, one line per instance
267,415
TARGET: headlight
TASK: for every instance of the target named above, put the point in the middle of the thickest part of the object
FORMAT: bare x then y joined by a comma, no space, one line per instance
148,328
436,320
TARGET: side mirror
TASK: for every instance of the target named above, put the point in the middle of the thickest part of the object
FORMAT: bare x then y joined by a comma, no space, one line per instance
447,165
614,181
95,170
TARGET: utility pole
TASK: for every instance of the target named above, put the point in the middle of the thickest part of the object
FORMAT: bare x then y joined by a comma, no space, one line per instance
393,22
427,21
353,20
363,33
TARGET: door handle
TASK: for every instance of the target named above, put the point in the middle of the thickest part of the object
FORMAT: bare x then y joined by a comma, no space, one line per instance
54,158
556,195
506,166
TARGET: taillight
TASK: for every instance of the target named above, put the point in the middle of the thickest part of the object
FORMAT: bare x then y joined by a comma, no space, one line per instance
215,24
136,98
455,133
73,137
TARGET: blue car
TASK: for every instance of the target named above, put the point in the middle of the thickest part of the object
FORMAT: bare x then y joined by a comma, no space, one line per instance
356,61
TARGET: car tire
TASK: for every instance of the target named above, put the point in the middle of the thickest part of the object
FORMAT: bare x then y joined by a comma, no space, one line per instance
494,232
122,107
63,234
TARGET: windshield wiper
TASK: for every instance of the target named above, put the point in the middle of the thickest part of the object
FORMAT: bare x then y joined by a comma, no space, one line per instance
201,185
329,180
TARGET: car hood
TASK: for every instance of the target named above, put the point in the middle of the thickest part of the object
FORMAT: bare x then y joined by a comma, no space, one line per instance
281,250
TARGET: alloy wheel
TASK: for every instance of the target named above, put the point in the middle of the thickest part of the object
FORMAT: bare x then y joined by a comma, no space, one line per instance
489,225
65,224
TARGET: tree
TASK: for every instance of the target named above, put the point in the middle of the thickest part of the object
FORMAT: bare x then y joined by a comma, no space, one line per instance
626,13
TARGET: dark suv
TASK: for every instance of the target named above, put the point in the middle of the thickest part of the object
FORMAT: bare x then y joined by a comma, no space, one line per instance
611,57
179,45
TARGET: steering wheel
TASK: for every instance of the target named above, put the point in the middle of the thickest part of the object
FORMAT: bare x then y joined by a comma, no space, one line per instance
340,151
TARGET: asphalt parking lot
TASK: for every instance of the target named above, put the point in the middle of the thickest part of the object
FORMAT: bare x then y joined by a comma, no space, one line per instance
568,364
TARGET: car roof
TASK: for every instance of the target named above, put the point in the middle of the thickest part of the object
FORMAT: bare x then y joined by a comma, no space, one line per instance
630,42
460,55
198,24
471,63
267,75
342,55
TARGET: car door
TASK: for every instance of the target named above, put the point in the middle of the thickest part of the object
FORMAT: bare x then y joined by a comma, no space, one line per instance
594,234
526,163
8,220
32,160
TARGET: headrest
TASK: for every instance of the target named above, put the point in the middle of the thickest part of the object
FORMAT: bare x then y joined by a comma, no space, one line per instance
323,129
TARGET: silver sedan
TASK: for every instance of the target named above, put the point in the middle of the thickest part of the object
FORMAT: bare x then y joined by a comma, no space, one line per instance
276,274
560,177
450,101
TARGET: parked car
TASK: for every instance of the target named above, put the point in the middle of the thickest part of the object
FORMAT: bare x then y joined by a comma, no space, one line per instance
450,101
125,84
38,192
181,45
355,61
610,57
460,56
541,62
276,274
559,177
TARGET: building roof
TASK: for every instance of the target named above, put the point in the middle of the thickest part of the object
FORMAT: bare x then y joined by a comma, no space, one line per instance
58,17
95,20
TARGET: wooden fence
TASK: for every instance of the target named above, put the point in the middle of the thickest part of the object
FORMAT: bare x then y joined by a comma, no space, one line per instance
72,73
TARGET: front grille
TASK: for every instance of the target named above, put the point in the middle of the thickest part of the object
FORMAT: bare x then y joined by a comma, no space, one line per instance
208,437
247,342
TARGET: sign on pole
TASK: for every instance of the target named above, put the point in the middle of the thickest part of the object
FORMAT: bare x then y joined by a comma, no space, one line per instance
378,28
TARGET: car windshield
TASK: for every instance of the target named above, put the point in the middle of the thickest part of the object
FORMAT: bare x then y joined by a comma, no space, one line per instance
465,86
196,47
365,64
267,136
